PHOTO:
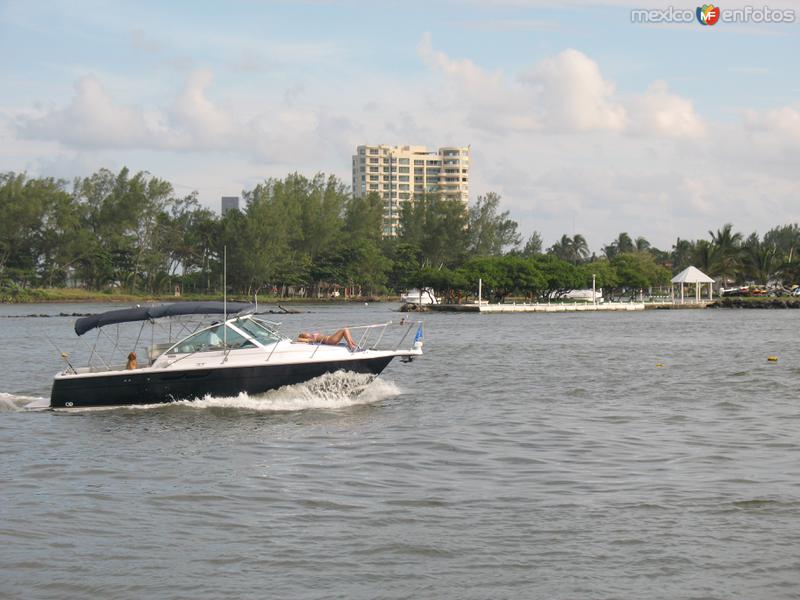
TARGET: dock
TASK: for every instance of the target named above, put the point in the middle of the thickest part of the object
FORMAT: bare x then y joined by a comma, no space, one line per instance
552,307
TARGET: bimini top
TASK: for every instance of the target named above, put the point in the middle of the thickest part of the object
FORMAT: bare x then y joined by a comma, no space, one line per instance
146,313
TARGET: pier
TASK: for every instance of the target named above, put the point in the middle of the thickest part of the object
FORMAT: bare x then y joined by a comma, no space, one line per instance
538,307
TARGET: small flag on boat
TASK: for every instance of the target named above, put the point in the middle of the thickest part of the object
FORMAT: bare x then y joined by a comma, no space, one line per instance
418,337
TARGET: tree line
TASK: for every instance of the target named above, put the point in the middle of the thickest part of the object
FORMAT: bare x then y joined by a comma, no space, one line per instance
312,236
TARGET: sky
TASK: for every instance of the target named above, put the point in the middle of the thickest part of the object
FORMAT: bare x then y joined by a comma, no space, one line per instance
582,120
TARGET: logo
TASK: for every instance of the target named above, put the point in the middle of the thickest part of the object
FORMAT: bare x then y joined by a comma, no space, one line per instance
708,14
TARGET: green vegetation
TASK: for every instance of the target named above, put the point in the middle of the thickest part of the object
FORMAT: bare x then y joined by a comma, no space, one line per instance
121,235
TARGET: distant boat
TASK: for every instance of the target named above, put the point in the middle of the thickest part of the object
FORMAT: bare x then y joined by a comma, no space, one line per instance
414,296
580,295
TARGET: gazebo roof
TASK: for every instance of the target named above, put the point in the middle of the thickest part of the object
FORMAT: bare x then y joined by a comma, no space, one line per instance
692,275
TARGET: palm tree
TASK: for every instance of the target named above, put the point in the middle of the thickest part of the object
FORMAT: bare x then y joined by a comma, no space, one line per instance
786,241
642,245
624,243
572,249
562,248
758,259
726,253
609,251
580,248
682,253
703,256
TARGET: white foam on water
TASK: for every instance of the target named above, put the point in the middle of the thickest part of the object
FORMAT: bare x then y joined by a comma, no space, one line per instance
16,403
327,392
331,391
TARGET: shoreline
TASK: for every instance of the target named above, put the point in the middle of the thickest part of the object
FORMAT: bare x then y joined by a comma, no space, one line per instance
757,303
78,296
75,296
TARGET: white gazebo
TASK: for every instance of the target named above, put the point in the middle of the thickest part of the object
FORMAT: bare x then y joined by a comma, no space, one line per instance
692,275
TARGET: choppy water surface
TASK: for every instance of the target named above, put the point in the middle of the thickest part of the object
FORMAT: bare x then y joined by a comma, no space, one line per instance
525,456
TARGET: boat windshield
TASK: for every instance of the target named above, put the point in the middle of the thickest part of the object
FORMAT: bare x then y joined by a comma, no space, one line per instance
212,339
260,333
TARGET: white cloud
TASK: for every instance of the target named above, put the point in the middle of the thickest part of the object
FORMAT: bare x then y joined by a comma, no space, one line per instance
91,120
565,93
660,112
470,76
197,121
190,123
571,94
783,122
766,141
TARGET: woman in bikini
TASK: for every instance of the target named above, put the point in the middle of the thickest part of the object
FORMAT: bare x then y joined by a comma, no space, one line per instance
330,340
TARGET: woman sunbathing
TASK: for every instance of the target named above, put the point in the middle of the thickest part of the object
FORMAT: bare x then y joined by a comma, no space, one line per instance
330,340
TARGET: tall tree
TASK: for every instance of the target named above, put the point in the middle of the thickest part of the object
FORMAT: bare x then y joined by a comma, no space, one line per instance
638,270
726,252
682,254
533,247
490,231
622,243
571,249
641,244
786,241
703,257
758,259
438,227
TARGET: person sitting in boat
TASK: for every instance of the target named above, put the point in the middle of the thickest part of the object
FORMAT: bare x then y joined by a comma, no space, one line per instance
330,340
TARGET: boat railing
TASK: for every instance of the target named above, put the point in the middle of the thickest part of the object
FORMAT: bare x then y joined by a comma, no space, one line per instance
370,337
95,369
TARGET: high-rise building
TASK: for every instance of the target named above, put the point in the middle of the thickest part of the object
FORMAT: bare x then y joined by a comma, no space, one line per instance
230,203
399,173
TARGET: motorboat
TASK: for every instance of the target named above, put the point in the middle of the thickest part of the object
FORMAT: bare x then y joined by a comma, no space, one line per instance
237,352
587,295
421,297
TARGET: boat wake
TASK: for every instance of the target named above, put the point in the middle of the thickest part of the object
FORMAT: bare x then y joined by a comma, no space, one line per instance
330,391
17,403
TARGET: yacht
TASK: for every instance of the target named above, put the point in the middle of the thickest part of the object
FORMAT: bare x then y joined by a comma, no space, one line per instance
237,352
422,298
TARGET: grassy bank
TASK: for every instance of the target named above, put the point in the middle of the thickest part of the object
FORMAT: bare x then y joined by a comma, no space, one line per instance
17,295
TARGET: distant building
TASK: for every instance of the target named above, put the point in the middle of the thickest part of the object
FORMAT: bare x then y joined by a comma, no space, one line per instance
398,173
230,203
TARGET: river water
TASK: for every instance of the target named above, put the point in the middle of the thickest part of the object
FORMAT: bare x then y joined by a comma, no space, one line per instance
524,456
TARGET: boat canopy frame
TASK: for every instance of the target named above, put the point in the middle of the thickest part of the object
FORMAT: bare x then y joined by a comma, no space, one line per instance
158,311
157,316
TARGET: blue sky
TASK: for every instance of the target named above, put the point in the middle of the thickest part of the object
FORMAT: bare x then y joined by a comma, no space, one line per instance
575,114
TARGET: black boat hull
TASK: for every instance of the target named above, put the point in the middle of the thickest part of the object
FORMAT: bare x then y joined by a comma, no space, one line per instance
128,388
